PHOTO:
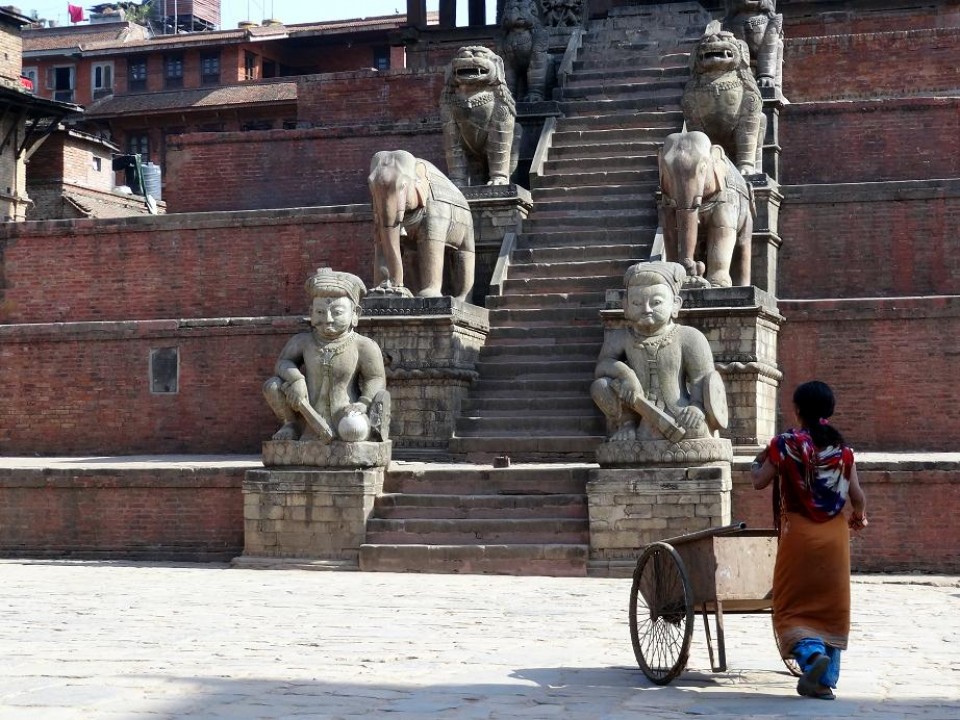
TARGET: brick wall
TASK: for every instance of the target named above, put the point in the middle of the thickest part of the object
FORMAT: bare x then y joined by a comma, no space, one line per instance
367,97
901,139
176,266
911,505
284,169
11,51
891,362
159,513
870,240
84,388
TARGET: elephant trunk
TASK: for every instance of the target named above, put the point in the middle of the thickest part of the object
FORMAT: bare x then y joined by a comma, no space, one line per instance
688,225
388,210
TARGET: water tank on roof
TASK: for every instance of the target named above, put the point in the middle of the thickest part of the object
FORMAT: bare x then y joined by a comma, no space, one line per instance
152,184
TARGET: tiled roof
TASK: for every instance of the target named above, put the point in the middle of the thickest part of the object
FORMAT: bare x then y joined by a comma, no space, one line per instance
91,203
82,37
93,39
158,102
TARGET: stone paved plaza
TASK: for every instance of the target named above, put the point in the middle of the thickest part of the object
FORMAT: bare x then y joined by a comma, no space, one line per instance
123,641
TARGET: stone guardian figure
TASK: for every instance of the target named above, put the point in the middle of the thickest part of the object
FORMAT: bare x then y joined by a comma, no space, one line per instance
655,380
760,26
525,50
330,383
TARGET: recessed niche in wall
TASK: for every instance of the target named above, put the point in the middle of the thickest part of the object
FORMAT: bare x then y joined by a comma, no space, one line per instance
164,370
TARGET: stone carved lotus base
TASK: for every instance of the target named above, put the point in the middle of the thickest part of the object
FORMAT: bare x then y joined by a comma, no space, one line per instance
697,451
337,454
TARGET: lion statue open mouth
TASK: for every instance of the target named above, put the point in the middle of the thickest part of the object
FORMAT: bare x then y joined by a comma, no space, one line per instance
480,136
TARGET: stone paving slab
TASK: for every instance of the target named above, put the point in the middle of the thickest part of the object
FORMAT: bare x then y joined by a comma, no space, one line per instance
136,641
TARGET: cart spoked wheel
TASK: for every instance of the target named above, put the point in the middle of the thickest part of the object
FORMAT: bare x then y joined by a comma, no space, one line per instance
792,665
661,613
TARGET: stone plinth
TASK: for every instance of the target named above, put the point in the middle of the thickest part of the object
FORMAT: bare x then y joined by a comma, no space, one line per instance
431,348
766,240
333,455
497,210
741,324
632,507
316,518
631,453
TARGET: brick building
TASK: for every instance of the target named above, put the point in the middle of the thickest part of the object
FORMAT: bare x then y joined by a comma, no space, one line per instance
140,90
869,274
25,120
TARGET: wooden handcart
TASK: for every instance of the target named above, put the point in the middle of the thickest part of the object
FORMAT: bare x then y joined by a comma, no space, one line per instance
723,571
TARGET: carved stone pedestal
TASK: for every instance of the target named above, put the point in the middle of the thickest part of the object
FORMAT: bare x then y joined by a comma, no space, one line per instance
632,507
498,210
431,346
312,518
741,324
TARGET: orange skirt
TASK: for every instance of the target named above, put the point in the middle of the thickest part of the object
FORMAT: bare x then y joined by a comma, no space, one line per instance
811,582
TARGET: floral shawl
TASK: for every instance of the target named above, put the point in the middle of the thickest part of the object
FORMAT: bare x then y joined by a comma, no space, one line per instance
812,481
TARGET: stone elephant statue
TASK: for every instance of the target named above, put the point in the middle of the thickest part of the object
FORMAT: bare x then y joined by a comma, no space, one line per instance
704,195
416,206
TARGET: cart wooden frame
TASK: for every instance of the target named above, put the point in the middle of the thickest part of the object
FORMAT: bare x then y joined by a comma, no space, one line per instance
723,570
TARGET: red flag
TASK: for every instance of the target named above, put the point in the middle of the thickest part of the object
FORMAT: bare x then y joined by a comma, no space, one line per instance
75,12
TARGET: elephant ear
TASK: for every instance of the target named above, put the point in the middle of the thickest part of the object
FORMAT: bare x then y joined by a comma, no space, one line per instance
422,184
719,167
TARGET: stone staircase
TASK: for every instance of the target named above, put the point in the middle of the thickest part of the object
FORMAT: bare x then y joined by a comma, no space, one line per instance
524,520
594,215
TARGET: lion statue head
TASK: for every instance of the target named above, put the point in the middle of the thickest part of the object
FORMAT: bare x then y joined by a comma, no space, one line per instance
476,69
719,52
521,15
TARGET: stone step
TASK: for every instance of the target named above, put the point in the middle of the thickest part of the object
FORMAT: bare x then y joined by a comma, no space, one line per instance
445,531
602,283
561,382
467,479
614,72
554,300
551,560
548,336
509,352
600,193
393,506
593,164
597,143
670,120
497,426
618,106
561,220
534,368
642,235
570,448
491,406
569,268
603,150
619,56
539,255
614,177
669,92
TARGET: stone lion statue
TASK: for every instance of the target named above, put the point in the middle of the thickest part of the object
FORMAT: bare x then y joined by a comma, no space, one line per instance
525,50
722,98
481,137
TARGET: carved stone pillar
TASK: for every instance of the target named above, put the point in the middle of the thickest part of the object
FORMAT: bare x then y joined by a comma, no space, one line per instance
417,13
448,13
497,210
477,13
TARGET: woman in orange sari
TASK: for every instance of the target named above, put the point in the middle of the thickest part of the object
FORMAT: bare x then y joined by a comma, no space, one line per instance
816,475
